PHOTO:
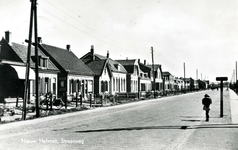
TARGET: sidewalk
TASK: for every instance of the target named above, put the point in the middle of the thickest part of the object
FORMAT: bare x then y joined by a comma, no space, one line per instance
234,106
220,133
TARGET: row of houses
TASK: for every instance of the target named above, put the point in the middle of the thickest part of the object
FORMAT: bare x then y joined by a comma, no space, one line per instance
63,73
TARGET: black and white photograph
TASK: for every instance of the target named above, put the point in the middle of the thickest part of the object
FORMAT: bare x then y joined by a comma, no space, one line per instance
118,74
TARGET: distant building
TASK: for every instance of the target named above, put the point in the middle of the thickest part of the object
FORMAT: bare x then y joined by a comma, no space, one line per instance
158,76
189,84
179,84
145,76
133,74
138,80
116,72
169,81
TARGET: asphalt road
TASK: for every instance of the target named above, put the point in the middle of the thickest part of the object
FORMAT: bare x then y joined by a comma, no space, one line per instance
164,123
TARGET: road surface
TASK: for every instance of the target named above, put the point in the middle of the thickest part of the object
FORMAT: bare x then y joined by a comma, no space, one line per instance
164,123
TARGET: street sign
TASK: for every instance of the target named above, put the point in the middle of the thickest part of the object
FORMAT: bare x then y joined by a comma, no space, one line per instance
221,97
221,78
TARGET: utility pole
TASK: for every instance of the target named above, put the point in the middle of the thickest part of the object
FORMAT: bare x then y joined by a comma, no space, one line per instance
37,59
153,67
160,67
184,77
33,13
197,74
27,66
236,77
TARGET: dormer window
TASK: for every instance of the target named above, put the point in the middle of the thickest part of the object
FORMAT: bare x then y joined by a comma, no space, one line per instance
43,62
141,74
117,66
146,75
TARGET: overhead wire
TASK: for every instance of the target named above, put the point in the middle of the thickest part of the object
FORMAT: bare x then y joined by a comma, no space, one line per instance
11,9
84,19
8,2
79,28
106,36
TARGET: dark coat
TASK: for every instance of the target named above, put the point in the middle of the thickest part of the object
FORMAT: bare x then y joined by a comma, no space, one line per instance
206,101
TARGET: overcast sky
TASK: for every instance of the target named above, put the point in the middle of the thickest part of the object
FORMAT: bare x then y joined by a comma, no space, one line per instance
203,34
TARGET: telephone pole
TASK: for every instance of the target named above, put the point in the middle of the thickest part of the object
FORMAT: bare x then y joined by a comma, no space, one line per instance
236,77
153,67
184,78
33,14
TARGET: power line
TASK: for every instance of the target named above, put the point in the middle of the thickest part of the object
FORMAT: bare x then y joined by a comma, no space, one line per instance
79,28
8,2
104,35
90,23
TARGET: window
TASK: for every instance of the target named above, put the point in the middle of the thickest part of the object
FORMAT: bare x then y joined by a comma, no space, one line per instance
54,85
113,84
142,87
43,62
105,71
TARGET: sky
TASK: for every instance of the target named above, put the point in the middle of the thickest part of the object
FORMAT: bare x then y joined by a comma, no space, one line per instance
198,37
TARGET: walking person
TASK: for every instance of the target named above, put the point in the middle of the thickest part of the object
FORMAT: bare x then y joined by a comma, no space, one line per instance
206,101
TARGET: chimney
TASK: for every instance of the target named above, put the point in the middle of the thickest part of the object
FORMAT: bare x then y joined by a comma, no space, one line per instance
138,61
145,62
92,49
107,54
92,52
7,36
39,40
68,47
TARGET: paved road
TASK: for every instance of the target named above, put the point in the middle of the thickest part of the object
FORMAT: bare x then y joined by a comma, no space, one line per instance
165,123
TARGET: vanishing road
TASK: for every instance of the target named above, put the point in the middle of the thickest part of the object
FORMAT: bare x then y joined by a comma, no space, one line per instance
163,123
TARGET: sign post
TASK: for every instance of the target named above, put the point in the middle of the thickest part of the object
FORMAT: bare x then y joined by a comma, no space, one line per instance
221,87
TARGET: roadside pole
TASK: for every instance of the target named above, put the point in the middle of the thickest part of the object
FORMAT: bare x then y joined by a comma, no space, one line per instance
221,79
28,65
153,68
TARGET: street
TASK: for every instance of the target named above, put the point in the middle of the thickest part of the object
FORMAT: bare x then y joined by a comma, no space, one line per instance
174,122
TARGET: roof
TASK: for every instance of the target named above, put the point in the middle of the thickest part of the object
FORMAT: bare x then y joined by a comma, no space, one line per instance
156,66
145,68
21,51
128,64
67,60
166,73
97,66
112,64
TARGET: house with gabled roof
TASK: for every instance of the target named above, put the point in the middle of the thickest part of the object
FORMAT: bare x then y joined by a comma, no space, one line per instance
138,80
13,58
145,77
74,76
169,81
189,84
102,75
179,84
158,76
118,73
133,74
